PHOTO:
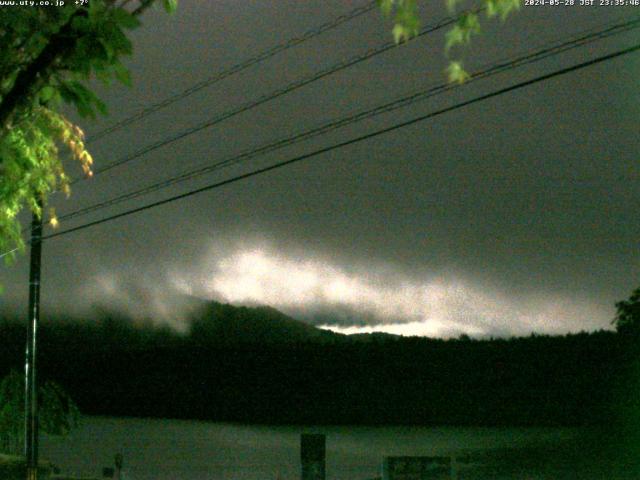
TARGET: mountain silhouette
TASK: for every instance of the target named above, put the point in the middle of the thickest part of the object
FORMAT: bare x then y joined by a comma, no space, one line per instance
223,324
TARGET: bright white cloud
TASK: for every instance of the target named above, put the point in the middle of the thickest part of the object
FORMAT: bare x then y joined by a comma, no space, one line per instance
256,276
411,329
389,303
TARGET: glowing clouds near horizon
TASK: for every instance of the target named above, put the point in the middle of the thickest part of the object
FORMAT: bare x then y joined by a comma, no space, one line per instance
257,277
367,301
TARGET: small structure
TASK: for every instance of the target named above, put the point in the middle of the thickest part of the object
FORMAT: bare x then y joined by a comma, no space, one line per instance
312,456
110,472
416,468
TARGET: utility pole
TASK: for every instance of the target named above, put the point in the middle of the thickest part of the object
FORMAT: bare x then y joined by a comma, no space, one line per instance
313,456
30,387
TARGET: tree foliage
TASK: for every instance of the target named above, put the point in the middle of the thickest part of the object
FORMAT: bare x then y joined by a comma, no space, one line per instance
48,56
627,319
58,413
406,19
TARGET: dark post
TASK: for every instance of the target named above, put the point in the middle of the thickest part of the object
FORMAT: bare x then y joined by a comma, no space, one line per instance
118,462
312,456
30,388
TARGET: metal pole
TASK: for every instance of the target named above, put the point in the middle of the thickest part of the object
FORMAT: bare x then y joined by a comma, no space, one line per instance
30,388
313,456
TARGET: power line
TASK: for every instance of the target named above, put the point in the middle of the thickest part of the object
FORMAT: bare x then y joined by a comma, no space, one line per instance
499,67
441,24
9,252
237,68
268,97
352,141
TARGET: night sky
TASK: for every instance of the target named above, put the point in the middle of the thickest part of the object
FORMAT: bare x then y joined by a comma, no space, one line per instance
512,215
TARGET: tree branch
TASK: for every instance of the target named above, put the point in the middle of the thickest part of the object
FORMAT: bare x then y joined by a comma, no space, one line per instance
37,71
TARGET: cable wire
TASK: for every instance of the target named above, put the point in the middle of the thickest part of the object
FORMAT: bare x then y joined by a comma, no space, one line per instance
237,68
10,252
295,85
499,67
355,140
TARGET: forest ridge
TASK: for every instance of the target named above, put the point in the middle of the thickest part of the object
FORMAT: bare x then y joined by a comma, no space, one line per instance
257,365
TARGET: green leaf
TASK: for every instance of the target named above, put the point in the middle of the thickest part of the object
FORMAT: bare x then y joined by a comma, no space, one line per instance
68,95
400,33
82,98
491,8
470,23
122,74
117,39
81,58
466,26
47,94
501,7
452,4
457,73
170,6
125,19
100,105
98,51
81,25
108,48
453,37
507,6
385,6
97,12
407,21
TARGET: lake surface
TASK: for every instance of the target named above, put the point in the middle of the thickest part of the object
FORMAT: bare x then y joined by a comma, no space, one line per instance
187,450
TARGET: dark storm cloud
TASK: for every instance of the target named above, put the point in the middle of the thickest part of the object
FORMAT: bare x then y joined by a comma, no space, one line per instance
518,210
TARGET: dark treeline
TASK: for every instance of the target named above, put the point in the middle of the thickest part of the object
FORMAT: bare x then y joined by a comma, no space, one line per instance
259,366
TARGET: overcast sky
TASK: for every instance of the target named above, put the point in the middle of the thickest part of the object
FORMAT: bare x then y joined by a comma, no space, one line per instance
512,215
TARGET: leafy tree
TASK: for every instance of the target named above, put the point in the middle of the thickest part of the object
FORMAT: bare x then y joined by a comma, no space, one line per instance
47,56
406,20
627,319
58,413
